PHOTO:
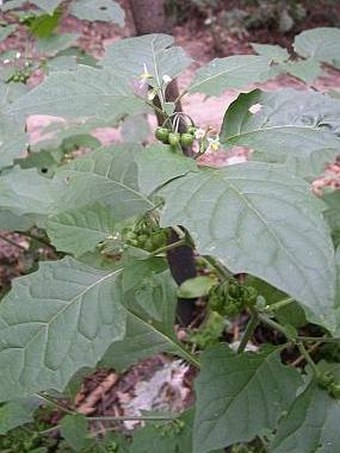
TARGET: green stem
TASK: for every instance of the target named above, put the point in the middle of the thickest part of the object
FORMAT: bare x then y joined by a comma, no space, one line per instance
251,326
122,418
222,271
320,339
168,247
14,244
48,399
281,303
307,357
273,324
184,93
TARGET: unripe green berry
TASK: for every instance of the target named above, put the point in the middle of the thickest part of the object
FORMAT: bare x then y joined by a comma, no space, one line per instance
174,138
162,134
187,139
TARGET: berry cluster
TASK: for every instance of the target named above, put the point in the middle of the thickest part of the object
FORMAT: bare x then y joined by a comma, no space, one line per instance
230,298
169,137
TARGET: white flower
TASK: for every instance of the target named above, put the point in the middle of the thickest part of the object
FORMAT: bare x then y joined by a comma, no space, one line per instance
255,108
166,78
17,55
199,134
214,143
6,61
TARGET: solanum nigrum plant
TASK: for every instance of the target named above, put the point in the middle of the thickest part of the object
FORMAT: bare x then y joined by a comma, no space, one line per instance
111,299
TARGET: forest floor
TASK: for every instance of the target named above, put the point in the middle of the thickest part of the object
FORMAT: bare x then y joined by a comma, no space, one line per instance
106,392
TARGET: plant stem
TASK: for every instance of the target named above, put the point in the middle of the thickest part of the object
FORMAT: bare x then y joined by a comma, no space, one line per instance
223,272
168,247
50,400
273,324
9,241
122,418
36,238
320,339
307,357
251,326
281,303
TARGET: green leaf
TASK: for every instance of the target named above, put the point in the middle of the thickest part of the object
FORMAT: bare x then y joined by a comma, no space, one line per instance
6,31
73,428
260,220
54,322
196,287
167,437
86,92
81,230
337,294
274,52
135,129
156,51
311,424
17,413
42,26
100,10
145,336
321,44
108,176
300,128
26,192
305,70
240,396
52,44
13,141
47,5
231,72
332,213
12,222
157,165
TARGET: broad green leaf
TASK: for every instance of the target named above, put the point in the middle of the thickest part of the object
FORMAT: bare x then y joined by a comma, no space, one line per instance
300,128
42,26
47,5
260,220
54,43
231,72
305,70
311,424
54,322
73,429
108,176
274,52
321,44
337,295
86,92
81,230
12,4
145,336
166,437
240,396
196,287
17,413
6,31
100,10
26,192
13,141
12,222
332,213
157,165
156,53
135,129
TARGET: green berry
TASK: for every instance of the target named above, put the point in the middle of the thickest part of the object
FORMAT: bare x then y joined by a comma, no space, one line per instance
187,139
191,130
174,138
162,134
